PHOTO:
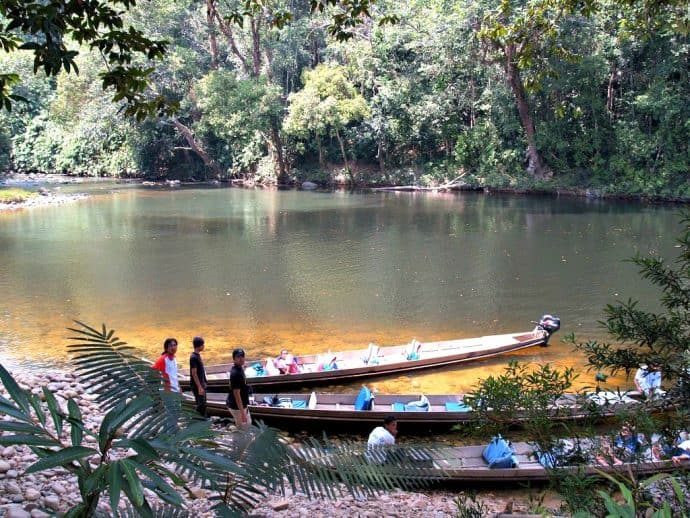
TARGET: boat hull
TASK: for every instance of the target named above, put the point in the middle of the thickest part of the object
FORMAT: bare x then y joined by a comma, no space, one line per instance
465,464
336,413
389,360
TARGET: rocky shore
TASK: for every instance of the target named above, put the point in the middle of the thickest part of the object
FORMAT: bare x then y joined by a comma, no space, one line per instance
54,491
43,200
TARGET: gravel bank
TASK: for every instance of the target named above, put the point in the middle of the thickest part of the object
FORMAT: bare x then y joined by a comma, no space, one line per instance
55,491
44,200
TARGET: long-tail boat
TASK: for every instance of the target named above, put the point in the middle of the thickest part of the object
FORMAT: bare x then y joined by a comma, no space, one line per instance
347,366
466,464
414,413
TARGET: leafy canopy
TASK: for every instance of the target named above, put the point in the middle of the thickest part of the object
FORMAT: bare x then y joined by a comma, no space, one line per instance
53,31
328,100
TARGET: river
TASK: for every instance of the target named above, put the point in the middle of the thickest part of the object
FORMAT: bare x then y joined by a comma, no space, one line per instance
312,271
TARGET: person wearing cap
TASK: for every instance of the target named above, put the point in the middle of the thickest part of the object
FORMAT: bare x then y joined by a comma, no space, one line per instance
198,373
167,365
648,379
238,399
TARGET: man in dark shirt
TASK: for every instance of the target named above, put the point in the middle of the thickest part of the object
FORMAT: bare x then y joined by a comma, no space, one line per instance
198,373
238,399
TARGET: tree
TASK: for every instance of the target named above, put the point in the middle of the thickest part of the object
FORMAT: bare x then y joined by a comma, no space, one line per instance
522,395
328,102
237,117
522,35
52,32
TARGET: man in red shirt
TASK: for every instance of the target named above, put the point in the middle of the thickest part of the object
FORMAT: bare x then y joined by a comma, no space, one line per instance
167,365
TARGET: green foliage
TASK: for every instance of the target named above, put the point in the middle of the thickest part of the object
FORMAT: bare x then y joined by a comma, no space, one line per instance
521,395
606,86
634,504
327,104
237,117
15,195
578,492
152,439
45,30
469,507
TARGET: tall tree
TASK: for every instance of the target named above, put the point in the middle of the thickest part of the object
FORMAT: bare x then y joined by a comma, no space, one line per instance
328,102
520,36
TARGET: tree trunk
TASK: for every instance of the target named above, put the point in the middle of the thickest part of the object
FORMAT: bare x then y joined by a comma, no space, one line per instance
256,47
379,155
342,150
536,166
277,144
342,147
611,92
211,21
197,148
318,146
230,37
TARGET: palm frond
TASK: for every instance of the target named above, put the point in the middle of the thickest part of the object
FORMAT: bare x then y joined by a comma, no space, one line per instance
110,368
319,468
366,472
158,511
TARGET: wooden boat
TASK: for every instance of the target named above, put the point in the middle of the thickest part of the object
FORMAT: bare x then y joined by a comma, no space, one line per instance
336,412
378,361
466,464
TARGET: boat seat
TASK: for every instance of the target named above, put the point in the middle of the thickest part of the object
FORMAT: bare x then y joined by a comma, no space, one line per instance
405,407
421,405
453,406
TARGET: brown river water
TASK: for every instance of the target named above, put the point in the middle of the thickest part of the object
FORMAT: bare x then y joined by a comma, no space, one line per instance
313,271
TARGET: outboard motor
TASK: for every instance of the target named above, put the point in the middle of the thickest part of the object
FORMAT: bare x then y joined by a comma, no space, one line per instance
550,324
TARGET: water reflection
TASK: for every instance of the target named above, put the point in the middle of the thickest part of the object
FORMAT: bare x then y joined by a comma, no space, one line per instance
313,271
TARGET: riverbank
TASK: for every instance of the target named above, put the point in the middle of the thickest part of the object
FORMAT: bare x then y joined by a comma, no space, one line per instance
54,491
334,178
43,200
30,191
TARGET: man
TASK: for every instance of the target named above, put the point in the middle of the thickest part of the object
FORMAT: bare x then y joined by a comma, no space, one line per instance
648,379
384,435
198,373
238,399
167,365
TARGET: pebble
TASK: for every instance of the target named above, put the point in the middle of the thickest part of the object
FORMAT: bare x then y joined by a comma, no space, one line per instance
281,505
58,488
16,511
32,494
61,491
9,451
52,502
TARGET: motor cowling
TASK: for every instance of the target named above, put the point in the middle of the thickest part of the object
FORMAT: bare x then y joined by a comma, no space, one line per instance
550,323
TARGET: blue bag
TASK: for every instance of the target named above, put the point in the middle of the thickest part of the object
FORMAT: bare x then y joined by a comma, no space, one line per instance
499,454
364,399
